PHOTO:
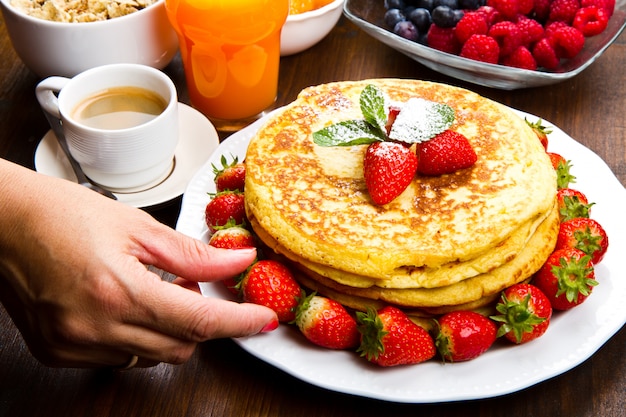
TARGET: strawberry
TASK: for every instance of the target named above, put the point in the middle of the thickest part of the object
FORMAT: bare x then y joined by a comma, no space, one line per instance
572,204
464,335
326,323
525,313
271,283
447,152
231,176
232,237
567,278
586,235
388,169
562,167
390,338
225,205
541,131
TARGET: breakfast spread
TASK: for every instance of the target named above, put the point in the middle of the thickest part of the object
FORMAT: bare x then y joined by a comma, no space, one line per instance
79,10
480,237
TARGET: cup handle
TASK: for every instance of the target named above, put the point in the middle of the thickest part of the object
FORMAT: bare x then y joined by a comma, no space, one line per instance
46,92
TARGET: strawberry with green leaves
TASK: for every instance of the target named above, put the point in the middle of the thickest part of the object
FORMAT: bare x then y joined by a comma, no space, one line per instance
541,131
567,278
586,235
446,153
464,335
225,206
230,176
388,169
390,338
399,126
524,313
232,236
562,166
272,284
326,323
572,204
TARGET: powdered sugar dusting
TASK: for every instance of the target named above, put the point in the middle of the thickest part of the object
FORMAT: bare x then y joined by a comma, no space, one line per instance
420,120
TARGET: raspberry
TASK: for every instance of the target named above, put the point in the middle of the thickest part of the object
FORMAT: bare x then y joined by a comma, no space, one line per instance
521,58
526,6
591,20
541,10
470,24
568,42
491,14
530,29
545,55
443,39
507,35
608,5
481,48
507,8
551,28
564,10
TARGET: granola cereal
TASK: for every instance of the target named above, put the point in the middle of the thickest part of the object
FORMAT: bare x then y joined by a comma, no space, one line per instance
79,10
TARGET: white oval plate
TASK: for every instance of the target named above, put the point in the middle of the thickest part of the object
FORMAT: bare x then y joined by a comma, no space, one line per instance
197,141
572,337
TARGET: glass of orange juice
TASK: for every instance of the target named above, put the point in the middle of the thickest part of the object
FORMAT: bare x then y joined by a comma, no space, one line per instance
231,53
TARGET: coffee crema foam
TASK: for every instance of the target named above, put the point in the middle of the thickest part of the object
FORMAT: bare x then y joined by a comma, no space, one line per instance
119,108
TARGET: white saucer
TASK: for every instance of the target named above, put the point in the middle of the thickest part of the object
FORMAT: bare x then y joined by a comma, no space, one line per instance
198,139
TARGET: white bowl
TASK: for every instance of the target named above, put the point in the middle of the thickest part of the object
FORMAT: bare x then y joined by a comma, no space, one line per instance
303,30
65,49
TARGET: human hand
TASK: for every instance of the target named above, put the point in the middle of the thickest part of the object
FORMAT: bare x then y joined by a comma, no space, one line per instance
74,278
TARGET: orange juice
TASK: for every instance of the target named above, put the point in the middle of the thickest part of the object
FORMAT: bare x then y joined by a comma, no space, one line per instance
231,52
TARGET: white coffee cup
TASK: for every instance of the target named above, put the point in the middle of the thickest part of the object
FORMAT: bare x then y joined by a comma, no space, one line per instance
139,152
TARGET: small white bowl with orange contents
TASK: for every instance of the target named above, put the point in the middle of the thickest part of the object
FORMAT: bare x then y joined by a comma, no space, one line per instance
309,22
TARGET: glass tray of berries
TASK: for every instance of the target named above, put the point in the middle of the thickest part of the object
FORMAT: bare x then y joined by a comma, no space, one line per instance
572,336
524,41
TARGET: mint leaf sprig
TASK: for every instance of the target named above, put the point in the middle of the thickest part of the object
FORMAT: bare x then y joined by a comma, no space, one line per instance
419,120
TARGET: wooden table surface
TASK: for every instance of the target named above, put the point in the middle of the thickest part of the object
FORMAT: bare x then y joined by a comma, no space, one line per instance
223,380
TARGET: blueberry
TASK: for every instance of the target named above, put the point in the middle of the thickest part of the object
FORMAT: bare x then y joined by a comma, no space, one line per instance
421,19
453,4
443,16
426,4
394,4
407,30
393,16
458,15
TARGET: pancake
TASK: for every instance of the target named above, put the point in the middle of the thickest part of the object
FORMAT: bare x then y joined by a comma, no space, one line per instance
472,293
450,240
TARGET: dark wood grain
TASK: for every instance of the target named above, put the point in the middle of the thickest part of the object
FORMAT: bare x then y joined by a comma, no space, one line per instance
223,380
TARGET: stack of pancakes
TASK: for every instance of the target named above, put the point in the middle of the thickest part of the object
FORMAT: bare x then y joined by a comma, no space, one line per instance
449,242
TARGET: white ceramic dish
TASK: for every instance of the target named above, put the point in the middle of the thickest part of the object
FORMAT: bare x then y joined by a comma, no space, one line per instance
573,336
198,140
302,31
368,15
58,48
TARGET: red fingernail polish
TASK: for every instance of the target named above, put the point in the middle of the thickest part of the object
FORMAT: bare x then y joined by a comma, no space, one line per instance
272,325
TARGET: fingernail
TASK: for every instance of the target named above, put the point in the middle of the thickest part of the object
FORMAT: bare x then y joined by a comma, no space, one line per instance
272,325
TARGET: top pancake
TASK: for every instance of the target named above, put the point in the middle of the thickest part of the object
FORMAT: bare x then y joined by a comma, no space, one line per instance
313,200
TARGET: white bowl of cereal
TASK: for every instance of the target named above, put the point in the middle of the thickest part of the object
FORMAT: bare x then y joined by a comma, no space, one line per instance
54,39
309,22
